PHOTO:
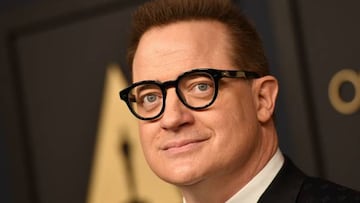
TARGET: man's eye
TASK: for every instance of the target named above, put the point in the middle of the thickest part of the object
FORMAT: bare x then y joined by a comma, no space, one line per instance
202,86
150,98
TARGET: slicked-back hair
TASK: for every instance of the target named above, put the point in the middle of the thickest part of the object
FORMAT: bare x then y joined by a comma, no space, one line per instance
247,52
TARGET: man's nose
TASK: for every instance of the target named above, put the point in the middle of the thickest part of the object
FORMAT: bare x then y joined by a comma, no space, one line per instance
176,114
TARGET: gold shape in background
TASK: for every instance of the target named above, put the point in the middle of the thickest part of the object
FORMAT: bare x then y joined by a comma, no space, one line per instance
109,181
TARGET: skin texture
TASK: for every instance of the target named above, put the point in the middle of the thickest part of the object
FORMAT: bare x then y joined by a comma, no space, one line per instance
212,153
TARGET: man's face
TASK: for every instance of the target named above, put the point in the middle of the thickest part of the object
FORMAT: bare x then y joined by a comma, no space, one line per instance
186,146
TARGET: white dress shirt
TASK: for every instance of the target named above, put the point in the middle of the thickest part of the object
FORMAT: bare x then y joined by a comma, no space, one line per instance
253,190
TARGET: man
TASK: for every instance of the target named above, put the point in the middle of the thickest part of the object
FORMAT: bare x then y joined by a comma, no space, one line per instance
205,101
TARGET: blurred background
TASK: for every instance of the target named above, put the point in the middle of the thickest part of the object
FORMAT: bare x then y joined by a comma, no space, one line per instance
66,137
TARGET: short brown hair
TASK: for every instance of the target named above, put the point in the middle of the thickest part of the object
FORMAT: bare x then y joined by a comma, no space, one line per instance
247,49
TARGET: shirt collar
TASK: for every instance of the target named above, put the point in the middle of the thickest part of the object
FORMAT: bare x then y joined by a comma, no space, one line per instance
253,190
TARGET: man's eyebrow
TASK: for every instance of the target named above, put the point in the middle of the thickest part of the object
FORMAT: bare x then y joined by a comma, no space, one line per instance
147,86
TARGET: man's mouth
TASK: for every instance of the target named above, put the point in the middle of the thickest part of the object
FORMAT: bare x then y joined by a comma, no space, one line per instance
180,146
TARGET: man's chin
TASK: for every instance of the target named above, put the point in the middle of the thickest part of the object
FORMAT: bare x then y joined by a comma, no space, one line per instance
181,181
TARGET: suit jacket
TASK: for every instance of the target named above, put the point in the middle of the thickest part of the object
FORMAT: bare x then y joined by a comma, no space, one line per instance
292,185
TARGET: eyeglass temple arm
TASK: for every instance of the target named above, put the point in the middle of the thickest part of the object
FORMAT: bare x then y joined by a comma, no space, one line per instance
240,74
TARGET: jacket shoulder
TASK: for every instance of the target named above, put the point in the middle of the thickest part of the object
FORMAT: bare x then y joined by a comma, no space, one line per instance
320,190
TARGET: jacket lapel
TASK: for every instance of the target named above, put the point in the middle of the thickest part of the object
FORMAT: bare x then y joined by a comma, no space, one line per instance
286,185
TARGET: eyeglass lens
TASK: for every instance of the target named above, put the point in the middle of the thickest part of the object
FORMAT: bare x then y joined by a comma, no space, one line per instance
195,90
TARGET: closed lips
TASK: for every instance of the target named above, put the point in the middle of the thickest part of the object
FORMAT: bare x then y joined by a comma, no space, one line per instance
181,143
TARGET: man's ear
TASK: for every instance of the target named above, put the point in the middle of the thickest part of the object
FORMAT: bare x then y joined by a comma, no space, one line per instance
265,91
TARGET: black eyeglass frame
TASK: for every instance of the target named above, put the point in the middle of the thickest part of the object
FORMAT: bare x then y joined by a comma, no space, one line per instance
215,74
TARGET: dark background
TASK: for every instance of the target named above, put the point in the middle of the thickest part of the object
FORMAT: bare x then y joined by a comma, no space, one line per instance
53,57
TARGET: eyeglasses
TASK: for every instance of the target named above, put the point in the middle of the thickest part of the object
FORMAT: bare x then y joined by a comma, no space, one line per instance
197,89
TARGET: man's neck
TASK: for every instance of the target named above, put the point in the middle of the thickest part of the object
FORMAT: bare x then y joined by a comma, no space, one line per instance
224,186
253,190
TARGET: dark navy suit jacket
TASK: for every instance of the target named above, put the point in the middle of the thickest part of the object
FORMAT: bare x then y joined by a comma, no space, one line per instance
292,185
